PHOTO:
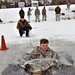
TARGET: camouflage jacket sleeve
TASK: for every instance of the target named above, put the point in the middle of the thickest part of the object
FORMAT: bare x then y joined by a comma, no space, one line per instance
33,54
55,56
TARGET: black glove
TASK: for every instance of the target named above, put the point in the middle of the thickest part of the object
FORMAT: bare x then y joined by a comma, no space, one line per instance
27,67
30,28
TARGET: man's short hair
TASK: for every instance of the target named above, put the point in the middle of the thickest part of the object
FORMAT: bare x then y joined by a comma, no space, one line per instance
44,41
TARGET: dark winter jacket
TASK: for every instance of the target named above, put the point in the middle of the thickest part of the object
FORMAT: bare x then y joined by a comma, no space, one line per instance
21,25
43,11
57,10
22,13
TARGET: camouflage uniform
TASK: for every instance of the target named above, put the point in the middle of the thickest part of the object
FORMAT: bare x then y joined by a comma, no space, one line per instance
57,11
44,14
38,53
68,6
28,14
37,13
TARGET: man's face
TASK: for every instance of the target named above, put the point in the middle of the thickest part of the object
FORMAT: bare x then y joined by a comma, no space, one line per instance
22,19
44,47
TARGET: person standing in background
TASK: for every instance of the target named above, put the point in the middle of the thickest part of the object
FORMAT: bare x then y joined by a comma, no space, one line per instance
21,13
44,16
57,11
37,14
29,14
68,6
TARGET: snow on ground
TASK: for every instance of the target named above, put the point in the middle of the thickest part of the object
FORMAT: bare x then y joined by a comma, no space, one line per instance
61,35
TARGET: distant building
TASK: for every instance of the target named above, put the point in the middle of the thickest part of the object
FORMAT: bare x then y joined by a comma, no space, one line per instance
71,1
21,4
28,3
34,3
63,1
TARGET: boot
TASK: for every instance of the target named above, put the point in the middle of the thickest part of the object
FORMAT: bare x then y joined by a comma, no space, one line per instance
27,33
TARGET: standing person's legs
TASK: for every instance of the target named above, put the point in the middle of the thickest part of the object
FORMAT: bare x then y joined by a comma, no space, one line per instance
35,18
68,8
57,17
42,17
28,18
38,17
45,17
